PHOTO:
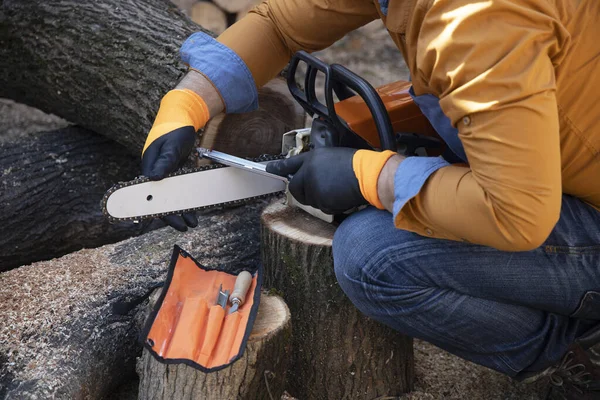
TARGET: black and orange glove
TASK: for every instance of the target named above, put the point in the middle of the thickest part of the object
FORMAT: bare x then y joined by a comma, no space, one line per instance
171,140
334,179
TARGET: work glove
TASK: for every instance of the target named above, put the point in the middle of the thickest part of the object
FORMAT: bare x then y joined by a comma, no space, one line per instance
170,141
334,179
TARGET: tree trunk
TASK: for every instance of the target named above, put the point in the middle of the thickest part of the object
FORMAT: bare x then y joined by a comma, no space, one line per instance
259,374
59,337
51,185
338,352
104,65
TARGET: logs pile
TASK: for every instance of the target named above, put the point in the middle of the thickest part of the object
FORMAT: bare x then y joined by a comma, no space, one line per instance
116,60
215,15
104,67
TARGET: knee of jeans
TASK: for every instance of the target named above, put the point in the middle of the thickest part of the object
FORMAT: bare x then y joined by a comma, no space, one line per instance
370,253
352,251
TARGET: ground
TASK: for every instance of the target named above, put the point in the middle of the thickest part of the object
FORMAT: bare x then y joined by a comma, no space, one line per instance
440,375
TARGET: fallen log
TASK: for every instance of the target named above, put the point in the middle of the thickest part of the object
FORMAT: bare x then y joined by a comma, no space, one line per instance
51,185
59,337
338,352
105,66
259,374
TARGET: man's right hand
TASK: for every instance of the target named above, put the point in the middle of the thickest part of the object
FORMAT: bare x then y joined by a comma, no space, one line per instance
170,141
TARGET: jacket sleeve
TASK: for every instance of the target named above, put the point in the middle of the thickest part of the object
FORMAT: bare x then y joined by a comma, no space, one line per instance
253,50
492,66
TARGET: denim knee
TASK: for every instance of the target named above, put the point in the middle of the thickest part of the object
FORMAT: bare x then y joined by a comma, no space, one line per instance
356,247
348,251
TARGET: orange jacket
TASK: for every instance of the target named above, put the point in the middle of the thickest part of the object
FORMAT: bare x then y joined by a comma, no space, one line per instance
520,80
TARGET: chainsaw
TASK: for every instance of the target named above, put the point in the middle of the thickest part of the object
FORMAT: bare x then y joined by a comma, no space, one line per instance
353,114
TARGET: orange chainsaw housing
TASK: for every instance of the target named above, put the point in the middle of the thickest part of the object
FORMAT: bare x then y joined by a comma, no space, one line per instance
187,326
404,114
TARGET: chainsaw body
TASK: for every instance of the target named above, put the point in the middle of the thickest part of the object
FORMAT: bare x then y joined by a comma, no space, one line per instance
385,118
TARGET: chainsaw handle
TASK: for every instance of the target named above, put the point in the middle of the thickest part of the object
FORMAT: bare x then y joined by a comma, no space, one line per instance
344,83
342,75
308,98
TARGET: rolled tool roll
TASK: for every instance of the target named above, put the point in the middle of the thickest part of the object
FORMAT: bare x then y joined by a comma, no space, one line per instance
189,325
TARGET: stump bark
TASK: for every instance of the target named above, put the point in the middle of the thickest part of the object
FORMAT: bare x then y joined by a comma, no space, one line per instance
51,185
59,337
338,353
105,65
259,374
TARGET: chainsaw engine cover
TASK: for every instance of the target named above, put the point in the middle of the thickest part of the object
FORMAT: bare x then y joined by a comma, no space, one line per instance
187,325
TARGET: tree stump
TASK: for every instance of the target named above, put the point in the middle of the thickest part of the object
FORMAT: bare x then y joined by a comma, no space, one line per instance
259,374
338,353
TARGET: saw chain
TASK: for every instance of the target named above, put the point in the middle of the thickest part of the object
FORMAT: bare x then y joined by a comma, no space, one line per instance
184,171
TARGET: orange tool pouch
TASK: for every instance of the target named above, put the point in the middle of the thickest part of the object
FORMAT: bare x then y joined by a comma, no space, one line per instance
187,326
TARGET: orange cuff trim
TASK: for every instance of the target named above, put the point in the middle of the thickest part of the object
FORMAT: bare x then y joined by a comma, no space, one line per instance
367,166
178,108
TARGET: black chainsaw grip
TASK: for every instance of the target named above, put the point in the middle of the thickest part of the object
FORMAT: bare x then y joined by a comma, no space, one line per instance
344,83
308,98
341,74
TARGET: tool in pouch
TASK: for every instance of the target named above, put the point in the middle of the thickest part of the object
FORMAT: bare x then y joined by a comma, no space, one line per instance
193,322
363,118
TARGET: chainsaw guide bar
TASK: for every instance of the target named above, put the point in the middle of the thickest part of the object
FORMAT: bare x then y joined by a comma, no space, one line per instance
142,180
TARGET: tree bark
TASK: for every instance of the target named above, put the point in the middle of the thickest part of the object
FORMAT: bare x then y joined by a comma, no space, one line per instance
104,65
59,337
51,185
338,352
259,374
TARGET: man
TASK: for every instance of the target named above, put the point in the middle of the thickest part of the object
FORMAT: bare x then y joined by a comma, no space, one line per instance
497,260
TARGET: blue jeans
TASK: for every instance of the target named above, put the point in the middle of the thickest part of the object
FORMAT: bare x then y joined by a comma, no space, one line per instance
514,312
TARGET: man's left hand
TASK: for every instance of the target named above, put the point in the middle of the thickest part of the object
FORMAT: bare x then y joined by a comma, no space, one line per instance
333,179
